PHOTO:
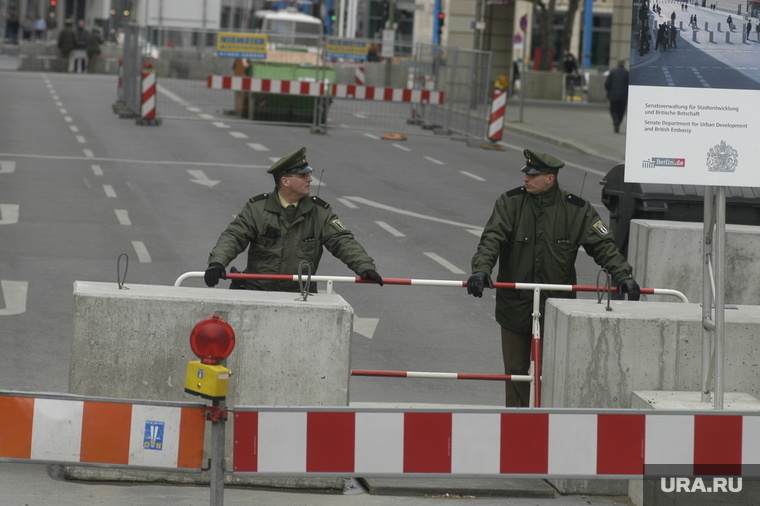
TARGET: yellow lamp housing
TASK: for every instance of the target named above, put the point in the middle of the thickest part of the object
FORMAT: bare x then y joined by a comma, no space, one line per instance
207,380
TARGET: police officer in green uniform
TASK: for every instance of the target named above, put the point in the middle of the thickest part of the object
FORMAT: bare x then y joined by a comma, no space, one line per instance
283,228
535,232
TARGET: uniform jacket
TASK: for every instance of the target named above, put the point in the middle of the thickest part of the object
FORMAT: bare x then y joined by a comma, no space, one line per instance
277,246
536,239
67,40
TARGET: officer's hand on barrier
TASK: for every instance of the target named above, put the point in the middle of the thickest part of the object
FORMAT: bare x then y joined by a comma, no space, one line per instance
631,287
371,275
477,282
213,273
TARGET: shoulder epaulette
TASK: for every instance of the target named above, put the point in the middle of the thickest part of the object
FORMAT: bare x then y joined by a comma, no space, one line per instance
320,202
516,191
263,196
573,199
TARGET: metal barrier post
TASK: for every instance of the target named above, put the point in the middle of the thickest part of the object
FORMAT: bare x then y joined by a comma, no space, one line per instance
536,348
217,415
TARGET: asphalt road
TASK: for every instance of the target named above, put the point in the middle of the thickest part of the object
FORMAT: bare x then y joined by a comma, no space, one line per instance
79,187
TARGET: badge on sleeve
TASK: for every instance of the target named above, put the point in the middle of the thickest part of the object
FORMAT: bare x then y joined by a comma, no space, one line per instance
337,224
601,228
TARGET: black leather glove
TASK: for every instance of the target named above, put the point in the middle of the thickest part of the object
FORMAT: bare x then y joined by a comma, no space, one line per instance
371,275
213,273
631,287
477,282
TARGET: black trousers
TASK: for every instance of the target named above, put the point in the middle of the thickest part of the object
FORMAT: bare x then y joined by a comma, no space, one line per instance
515,348
617,111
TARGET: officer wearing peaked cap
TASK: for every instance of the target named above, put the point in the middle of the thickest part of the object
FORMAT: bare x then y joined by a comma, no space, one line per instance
285,227
534,232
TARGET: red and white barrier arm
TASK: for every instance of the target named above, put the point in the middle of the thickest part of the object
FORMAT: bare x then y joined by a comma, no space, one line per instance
434,282
442,375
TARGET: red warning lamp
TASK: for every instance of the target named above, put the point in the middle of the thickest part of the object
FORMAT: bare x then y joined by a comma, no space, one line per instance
53,3
212,340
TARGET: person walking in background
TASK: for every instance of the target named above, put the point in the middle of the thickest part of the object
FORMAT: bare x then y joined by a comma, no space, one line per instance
749,28
284,228
534,232
616,86
94,40
67,41
40,27
79,55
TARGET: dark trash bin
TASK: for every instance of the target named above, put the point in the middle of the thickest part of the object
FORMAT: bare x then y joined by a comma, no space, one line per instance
673,202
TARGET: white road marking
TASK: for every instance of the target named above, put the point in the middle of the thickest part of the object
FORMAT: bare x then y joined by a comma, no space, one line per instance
347,203
68,119
201,178
88,153
390,229
109,191
206,116
402,148
372,136
7,166
258,147
404,212
238,135
444,263
430,158
170,95
470,174
142,252
9,214
365,326
97,170
14,295
220,124
63,111
81,139
74,128
123,216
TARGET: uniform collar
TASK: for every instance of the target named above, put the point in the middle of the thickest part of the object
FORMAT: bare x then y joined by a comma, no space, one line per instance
273,203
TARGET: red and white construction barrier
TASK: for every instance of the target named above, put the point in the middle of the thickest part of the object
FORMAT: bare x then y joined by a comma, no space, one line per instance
359,75
581,444
95,432
313,89
441,375
496,122
434,282
535,360
148,96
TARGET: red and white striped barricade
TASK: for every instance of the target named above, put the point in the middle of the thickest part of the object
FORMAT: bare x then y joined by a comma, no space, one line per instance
148,96
76,430
315,89
535,368
538,443
496,121
359,78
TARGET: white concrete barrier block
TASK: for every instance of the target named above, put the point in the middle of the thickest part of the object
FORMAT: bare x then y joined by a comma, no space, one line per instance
668,254
135,343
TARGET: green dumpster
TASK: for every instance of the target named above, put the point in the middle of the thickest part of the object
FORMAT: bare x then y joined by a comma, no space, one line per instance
277,107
